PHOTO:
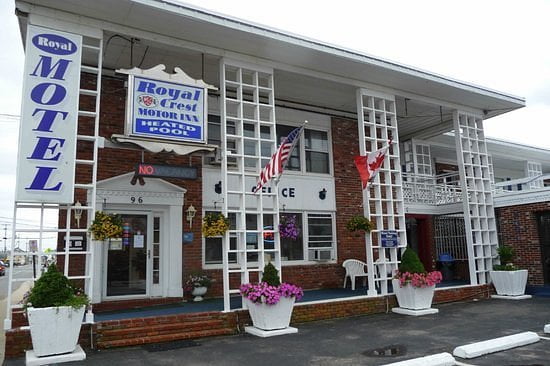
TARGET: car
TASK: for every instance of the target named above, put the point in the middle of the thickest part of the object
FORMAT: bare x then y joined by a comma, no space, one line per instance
2,270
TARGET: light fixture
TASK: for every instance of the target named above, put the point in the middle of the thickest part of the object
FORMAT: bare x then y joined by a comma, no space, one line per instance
323,194
77,213
218,187
191,211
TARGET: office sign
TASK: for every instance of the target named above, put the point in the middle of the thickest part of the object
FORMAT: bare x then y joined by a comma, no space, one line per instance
389,238
166,109
49,114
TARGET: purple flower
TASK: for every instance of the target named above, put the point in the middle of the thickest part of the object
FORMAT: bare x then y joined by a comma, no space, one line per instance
288,228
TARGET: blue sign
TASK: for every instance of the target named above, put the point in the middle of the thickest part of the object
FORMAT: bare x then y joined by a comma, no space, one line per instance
188,237
167,110
389,238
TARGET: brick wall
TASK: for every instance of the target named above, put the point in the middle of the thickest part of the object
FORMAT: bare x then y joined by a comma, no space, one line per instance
113,162
518,228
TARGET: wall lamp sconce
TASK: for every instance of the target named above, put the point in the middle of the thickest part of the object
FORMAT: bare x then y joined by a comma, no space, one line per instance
218,187
77,213
191,212
323,194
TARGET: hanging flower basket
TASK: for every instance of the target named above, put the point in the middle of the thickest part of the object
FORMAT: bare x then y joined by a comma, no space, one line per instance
288,228
106,226
357,223
214,224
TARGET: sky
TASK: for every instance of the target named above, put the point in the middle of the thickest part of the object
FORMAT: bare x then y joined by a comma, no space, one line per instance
501,45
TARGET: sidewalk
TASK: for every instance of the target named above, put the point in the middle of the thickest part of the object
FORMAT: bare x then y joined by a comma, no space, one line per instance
343,341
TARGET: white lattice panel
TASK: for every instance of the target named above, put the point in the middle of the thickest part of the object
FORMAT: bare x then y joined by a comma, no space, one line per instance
475,177
383,201
248,140
534,169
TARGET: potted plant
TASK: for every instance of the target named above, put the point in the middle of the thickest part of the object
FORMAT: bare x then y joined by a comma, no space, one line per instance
288,228
413,286
270,302
508,279
214,224
55,310
357,223
197,284
106,226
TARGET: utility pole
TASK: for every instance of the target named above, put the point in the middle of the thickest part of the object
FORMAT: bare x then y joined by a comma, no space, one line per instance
5,238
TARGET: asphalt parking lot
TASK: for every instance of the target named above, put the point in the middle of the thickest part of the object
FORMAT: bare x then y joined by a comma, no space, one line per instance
355,341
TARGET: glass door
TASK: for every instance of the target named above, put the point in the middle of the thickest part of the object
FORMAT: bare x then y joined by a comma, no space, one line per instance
127,258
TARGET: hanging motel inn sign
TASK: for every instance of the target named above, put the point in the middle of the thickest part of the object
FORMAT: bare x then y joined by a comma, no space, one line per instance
49,113
166,106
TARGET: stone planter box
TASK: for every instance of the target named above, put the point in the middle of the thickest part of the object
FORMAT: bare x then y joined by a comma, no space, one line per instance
54,330
510,283
413,298
271,317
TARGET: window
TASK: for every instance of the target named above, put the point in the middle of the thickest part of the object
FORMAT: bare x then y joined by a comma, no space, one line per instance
214,137
294,159
316,147
320,237
311,152
316,240
213,248
293,250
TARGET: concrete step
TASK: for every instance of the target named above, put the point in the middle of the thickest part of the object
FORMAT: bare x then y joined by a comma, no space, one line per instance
158,329
165,338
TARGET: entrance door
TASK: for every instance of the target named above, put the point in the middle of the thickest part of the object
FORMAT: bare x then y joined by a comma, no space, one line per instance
127,260
544,238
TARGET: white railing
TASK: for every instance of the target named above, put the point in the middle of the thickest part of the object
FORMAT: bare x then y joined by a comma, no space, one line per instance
519,185
432,190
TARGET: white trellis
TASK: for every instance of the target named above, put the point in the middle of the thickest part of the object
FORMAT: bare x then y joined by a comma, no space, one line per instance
248,140
383,201
475,178
88,120
534,169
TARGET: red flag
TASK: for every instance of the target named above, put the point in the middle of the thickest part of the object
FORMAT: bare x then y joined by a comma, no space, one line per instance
369,165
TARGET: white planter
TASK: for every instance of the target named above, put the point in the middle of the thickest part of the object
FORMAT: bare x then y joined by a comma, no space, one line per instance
270,317
414,298
54,330
510,283
198,292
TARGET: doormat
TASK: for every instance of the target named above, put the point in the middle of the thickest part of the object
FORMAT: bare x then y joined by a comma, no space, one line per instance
167,346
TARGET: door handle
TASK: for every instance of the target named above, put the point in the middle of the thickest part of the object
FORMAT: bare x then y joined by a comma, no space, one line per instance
148,253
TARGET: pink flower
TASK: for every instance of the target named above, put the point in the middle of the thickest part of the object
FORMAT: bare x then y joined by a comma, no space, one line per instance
266,294
419,279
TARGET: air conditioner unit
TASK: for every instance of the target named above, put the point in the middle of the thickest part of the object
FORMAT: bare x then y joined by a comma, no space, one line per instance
216,158
322,255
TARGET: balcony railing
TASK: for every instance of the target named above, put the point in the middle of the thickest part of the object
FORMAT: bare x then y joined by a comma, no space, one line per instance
522,184
432,190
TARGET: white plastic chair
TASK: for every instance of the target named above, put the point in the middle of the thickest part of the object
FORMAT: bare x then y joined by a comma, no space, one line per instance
354,268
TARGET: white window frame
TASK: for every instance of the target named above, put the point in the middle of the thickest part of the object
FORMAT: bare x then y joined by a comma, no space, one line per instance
302,146
305,242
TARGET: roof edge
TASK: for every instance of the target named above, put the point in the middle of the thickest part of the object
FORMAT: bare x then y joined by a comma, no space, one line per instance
263,30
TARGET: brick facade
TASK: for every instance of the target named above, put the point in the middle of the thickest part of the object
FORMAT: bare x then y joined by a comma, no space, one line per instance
518,229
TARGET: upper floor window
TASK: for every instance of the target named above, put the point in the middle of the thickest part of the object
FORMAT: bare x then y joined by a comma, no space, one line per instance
311,153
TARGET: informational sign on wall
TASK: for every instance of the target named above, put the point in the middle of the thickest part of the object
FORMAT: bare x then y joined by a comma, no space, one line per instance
166,110
389,238
49,114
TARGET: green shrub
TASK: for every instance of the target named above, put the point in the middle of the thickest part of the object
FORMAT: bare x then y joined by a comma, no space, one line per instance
411,263
506,255
54,289
271,275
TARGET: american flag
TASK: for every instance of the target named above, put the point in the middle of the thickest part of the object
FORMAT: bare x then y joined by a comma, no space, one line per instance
274,168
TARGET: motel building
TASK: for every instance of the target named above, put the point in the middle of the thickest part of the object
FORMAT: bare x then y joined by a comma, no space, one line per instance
163,112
